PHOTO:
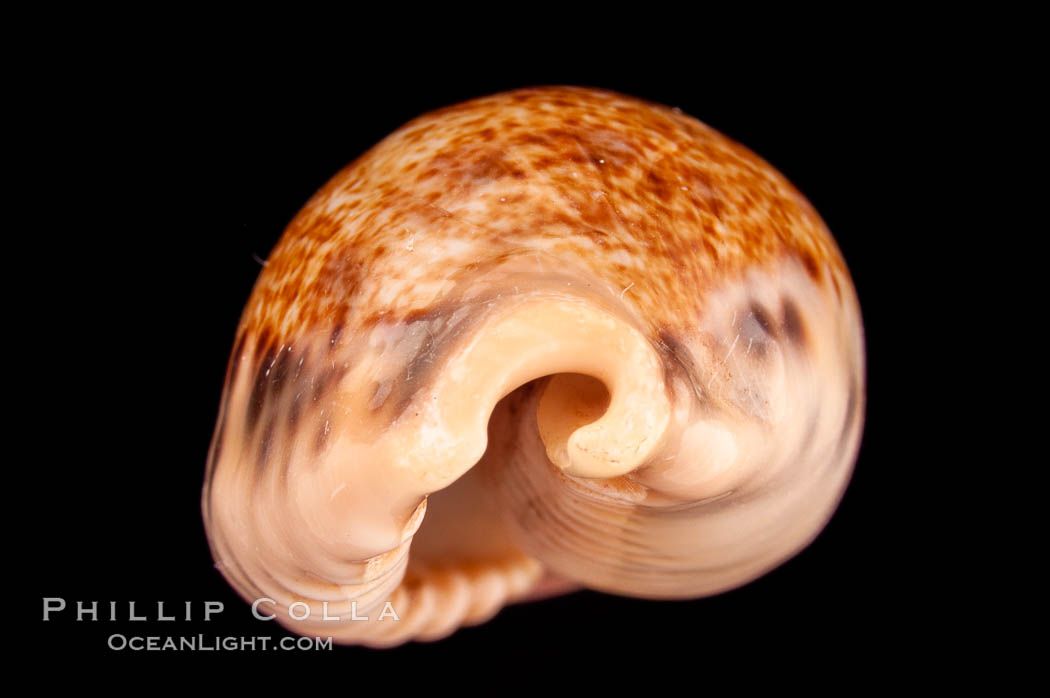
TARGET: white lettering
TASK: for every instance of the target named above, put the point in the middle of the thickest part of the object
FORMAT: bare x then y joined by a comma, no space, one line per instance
388,610
48,606
255,608
160,612
81,612
306,613
131,614
212,607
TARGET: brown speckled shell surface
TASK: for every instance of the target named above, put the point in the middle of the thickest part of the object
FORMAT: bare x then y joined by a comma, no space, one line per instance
640,194
390,435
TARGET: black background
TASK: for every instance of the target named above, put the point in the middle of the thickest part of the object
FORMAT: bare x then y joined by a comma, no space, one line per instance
157,190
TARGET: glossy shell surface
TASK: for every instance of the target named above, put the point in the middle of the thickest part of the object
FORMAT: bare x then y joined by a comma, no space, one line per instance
550,338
